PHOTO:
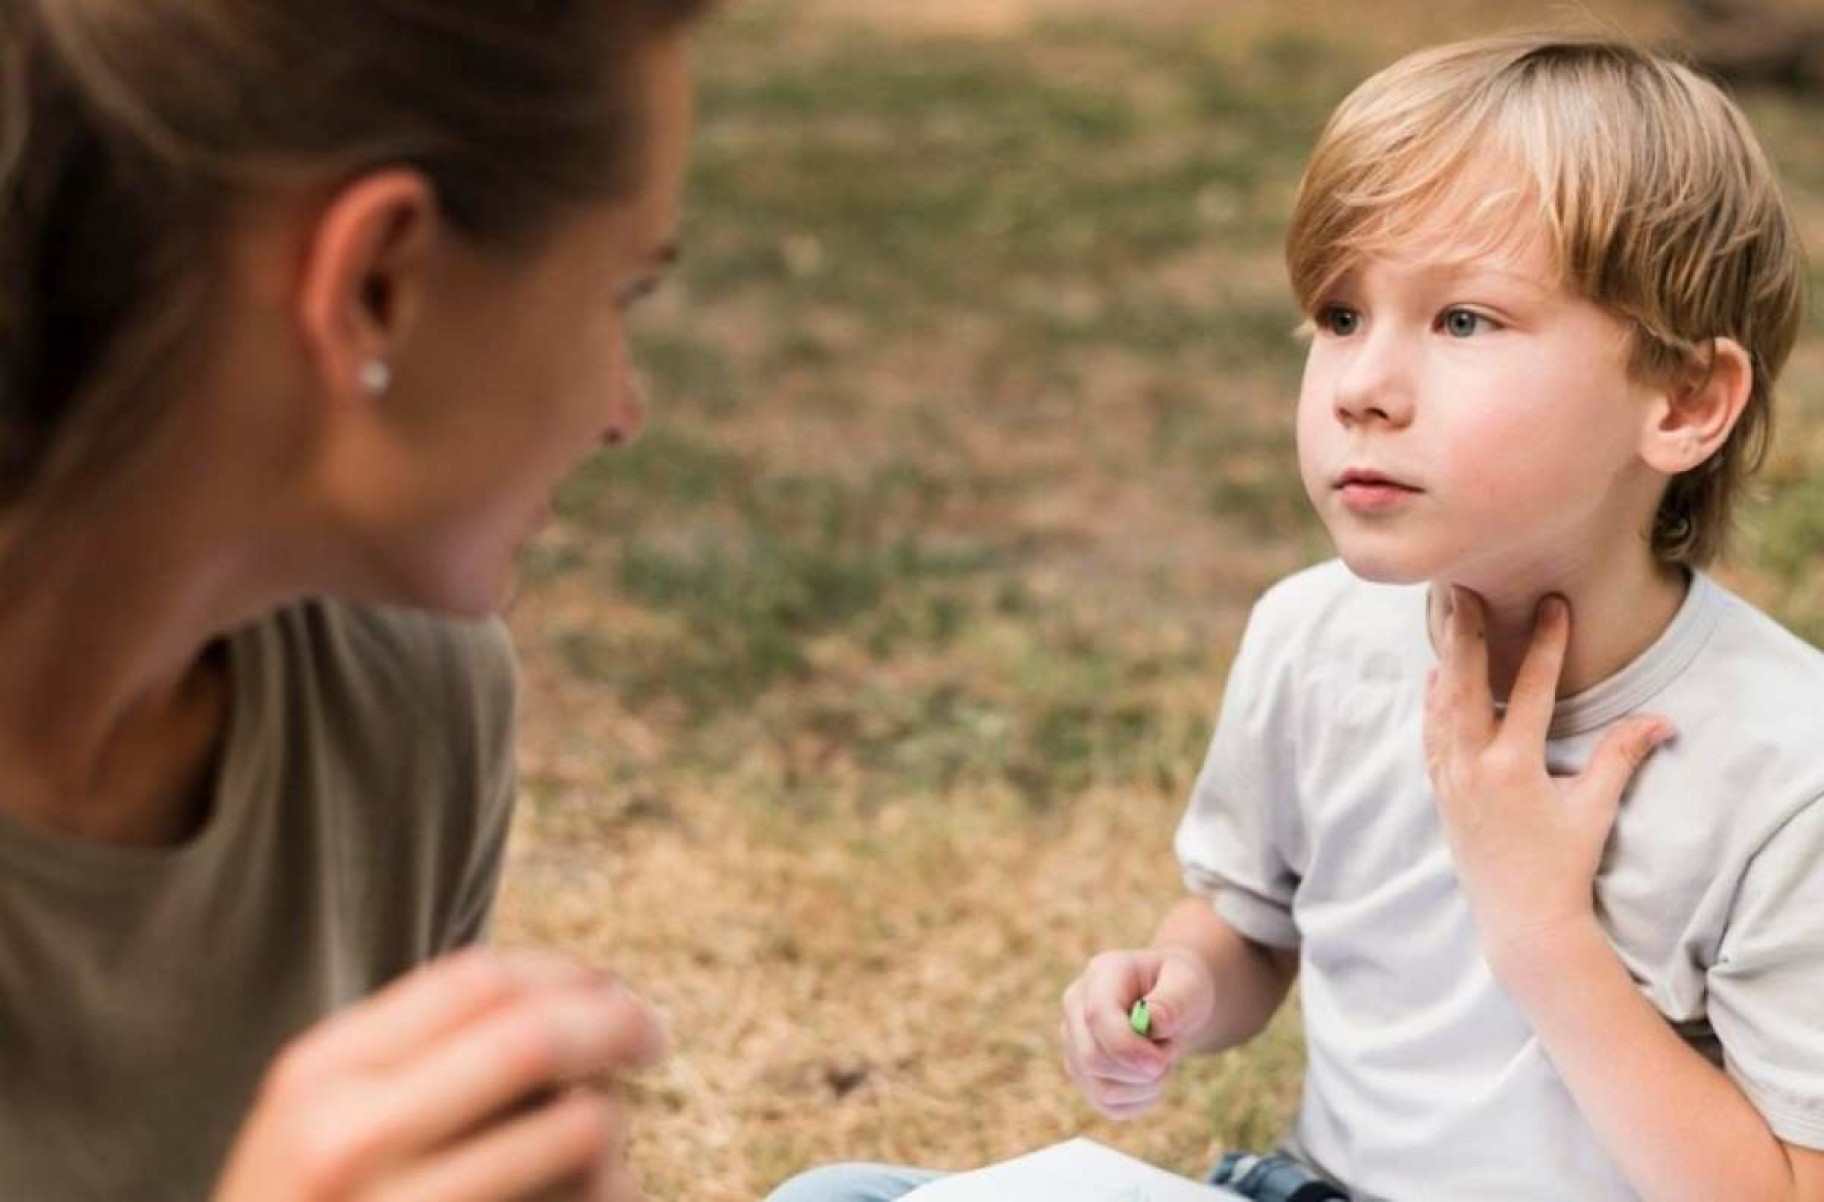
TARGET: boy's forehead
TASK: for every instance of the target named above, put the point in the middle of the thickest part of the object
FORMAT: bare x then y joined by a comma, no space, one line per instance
1486,222
1524,258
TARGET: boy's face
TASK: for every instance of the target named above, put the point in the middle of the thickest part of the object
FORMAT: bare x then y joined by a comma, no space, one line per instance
1465,417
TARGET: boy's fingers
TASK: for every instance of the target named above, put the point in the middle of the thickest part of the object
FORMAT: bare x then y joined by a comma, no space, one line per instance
1179,1002
1124,1111
1097,1049
1118,1095
1468,707
1114,979
1618,757
1437,745
536,1045
1535,695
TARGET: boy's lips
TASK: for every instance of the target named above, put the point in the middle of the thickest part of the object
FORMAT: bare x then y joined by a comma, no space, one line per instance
1367,491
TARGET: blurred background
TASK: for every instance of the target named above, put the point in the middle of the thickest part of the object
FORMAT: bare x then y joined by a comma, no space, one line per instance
864,692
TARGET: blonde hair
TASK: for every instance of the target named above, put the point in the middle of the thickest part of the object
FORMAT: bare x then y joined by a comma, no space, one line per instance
1646,181
129,129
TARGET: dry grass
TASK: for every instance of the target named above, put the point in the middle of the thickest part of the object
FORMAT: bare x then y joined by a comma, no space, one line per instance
862,697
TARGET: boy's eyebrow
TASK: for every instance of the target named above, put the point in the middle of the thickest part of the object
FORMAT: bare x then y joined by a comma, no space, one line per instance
666,255
1462,269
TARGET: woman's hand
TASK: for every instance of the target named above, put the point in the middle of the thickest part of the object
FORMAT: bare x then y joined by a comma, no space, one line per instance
465,1081
1120,1072
1526,844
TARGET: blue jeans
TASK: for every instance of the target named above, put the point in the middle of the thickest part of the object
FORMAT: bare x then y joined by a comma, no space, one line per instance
852,1183
1271,1178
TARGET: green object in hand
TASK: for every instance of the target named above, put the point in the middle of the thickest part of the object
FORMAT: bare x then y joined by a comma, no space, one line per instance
1139,1019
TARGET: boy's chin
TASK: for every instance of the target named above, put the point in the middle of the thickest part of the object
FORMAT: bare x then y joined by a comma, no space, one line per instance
1382,565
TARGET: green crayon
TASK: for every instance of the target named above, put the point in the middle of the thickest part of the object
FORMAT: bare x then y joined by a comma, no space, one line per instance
1139,1018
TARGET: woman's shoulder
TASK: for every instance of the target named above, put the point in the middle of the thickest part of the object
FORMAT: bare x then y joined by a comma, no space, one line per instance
366,668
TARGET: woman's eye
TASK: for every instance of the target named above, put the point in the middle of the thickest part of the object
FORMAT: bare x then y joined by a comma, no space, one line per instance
637,291
1463,323
1338,320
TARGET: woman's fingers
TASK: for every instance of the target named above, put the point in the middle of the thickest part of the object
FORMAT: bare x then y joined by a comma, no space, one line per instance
549,1040
561,1142
451,1084
617,1183
396,1024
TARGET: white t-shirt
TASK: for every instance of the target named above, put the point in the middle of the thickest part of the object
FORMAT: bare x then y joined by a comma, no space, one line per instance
1312,825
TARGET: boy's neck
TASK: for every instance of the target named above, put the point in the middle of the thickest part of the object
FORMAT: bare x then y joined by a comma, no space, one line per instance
1618,611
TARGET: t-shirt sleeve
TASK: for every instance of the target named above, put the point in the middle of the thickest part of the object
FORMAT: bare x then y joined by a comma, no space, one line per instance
1766,987
1230,843
495,779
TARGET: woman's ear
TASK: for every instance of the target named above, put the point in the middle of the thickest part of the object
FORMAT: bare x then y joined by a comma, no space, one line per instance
363,279
1694,416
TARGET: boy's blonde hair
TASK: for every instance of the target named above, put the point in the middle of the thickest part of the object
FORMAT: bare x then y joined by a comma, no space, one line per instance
1647,182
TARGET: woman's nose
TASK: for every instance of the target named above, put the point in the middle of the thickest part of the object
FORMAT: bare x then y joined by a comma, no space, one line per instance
627,402
628,417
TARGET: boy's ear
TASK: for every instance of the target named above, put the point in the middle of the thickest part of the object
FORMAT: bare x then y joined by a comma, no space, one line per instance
363,279
1693,417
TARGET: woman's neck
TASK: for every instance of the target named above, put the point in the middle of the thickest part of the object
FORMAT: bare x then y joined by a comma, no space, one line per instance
115,692
1620,606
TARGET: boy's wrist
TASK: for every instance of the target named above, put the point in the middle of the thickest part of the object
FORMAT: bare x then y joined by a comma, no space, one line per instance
1549,960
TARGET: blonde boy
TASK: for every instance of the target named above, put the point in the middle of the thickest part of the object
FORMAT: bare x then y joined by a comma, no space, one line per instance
1550,284
1567,944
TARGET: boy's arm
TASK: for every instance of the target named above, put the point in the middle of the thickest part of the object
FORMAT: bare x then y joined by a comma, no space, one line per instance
1526,846
1250,979
1675,1123
1207,987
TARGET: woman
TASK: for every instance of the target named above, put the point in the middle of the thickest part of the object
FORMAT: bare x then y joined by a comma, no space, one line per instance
304,310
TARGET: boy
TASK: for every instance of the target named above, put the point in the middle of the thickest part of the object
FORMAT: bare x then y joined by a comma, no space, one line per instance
1550,283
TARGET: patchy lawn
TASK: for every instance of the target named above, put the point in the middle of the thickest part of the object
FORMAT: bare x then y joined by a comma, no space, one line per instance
863,693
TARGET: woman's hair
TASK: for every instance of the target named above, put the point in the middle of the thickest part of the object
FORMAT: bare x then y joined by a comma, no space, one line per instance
130,128
1645,180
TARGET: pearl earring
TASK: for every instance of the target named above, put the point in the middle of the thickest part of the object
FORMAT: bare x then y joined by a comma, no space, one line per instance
376,376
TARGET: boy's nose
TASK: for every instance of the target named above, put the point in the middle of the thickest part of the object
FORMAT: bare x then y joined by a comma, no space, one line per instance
1370,389
1358,408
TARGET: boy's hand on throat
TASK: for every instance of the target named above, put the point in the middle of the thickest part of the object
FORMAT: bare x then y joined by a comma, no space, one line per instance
1526,843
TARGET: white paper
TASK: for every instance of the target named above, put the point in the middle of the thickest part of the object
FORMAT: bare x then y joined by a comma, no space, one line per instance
1079,1170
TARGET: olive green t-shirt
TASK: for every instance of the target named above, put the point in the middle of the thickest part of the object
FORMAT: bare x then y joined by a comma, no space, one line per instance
359,813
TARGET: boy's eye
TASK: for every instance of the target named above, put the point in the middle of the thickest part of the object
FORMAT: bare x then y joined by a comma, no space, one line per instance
1339,320
1463,323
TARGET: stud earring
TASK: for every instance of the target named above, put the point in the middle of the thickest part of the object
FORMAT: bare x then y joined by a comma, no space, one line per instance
376,376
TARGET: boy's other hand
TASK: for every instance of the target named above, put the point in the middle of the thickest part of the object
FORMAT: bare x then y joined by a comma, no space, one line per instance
1526,843
477,1078
1120,1072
